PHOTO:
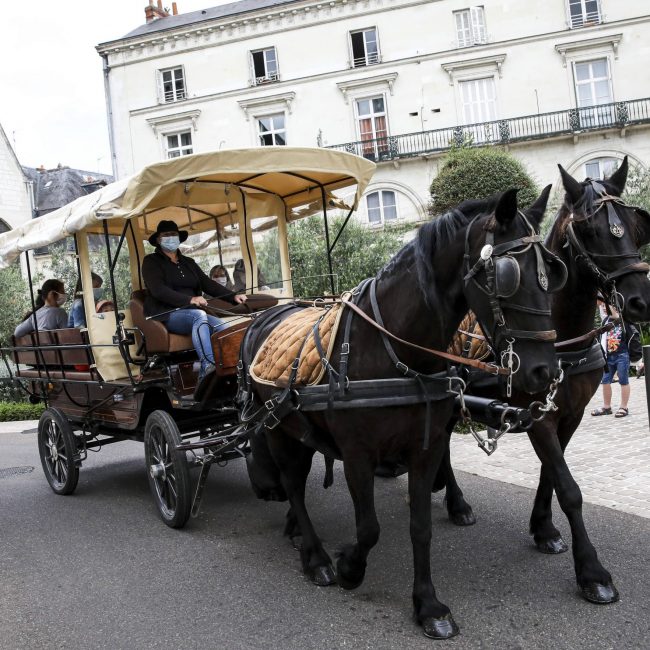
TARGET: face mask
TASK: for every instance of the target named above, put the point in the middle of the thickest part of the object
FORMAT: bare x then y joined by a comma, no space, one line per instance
61,298
98,292
170,244
220,280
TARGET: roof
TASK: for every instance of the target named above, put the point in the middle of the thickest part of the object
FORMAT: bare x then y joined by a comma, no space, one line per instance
12,153
57,187
214,13
200,191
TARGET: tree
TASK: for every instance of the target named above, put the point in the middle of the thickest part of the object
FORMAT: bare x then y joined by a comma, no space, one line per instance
637,188
470,173
359,253
15,301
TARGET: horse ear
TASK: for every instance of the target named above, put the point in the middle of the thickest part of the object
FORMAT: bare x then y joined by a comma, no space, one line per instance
618,179
506,208
571,186
536,210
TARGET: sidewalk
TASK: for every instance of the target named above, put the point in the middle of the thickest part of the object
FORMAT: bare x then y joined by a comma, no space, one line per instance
609,458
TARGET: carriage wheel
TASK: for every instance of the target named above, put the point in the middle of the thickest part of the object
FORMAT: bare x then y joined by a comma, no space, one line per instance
169,476
57,447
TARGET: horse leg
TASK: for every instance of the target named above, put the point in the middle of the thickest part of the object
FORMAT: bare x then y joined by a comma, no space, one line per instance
434,617
294,462
458,510
352,558
548,538
594,580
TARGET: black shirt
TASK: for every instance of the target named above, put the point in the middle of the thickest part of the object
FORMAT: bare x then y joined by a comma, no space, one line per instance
172,285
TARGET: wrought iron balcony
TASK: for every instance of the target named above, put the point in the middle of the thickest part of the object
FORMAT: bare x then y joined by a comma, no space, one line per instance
517,129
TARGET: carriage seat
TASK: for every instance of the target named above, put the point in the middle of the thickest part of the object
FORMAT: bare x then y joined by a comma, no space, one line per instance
159,339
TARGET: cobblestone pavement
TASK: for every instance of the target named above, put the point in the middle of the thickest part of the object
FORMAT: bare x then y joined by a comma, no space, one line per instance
608,457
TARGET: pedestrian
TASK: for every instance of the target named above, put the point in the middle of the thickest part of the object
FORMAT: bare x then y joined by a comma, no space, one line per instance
621,345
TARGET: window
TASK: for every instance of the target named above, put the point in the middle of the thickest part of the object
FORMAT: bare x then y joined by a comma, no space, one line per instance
172,84
382,207
271,130
365,47
470,27
179,144
584,12
593,88
264,66
600,168
371,116
479,100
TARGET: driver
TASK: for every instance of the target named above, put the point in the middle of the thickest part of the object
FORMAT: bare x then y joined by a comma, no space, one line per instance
175,284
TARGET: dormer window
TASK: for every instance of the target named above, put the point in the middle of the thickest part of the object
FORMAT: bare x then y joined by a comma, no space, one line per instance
264,66
470,27
365,47
171,84
583,13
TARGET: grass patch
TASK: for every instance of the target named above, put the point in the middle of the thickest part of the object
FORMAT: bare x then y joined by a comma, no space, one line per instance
17,411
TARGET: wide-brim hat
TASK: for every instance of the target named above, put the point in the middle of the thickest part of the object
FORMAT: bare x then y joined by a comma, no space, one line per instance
168,226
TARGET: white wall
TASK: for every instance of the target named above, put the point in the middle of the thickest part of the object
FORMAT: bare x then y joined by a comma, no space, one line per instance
15,206
417,48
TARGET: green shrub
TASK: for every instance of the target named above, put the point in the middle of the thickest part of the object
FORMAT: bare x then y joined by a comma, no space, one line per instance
16,411
469,173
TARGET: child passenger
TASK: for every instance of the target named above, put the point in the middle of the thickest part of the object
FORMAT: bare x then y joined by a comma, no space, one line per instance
49,314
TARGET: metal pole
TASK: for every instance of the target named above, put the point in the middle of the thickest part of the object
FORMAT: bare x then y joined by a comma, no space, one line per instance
327,239
646,368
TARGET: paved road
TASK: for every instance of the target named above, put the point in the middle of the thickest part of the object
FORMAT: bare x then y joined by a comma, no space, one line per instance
99,570
609,457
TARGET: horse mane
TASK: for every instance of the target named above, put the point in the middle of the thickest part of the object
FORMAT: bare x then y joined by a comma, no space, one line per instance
437,234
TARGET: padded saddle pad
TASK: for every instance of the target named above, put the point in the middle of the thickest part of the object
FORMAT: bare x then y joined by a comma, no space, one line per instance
468,346
272,363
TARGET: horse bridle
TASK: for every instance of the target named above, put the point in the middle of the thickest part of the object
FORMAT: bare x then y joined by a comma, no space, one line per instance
606,280
499,259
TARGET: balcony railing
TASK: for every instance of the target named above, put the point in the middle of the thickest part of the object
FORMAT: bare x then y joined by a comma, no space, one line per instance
517,129
269,78
585,19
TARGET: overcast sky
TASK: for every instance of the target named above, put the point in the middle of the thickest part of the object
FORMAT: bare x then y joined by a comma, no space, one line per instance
51,84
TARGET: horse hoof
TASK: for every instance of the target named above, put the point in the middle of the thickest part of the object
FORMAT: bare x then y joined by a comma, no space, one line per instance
552,546
323,576
463,518
440,628
600,594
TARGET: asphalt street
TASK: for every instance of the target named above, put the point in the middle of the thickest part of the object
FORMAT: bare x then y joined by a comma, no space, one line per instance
98,569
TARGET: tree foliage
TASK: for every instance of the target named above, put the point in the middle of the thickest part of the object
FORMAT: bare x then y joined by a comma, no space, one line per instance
15,300
359,253
470,173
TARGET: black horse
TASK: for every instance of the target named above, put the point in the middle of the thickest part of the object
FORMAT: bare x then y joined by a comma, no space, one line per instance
422,296
598,237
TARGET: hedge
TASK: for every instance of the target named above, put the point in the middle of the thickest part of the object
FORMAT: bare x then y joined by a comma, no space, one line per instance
476,174
15,411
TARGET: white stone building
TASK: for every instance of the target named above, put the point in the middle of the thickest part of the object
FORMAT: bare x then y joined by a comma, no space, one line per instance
16,198
395,80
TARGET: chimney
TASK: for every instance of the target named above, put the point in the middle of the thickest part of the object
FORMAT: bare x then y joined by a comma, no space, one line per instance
154,12
174,9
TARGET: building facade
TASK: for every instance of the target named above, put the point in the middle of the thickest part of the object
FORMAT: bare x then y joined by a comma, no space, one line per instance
16,195
397,81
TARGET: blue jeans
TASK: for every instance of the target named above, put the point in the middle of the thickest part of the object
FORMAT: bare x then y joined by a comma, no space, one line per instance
617,362
201,326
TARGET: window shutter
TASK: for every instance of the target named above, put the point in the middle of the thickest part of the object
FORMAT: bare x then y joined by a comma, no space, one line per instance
159,87
478,24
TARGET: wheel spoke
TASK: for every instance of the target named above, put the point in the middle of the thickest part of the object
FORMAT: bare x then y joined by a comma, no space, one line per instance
64,471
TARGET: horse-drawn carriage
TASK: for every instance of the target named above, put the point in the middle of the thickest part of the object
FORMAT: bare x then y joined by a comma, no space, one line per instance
124,375
384,384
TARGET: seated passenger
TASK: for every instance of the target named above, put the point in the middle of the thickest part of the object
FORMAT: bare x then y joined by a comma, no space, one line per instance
174,283
49,315
239,278
220,275
77,316
104,306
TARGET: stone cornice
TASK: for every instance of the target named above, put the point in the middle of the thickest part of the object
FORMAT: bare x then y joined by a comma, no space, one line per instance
161,121
350,85
250,104
247,25
566,49
495,60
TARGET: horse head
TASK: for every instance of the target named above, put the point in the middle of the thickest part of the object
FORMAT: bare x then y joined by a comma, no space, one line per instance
508,276
606,235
